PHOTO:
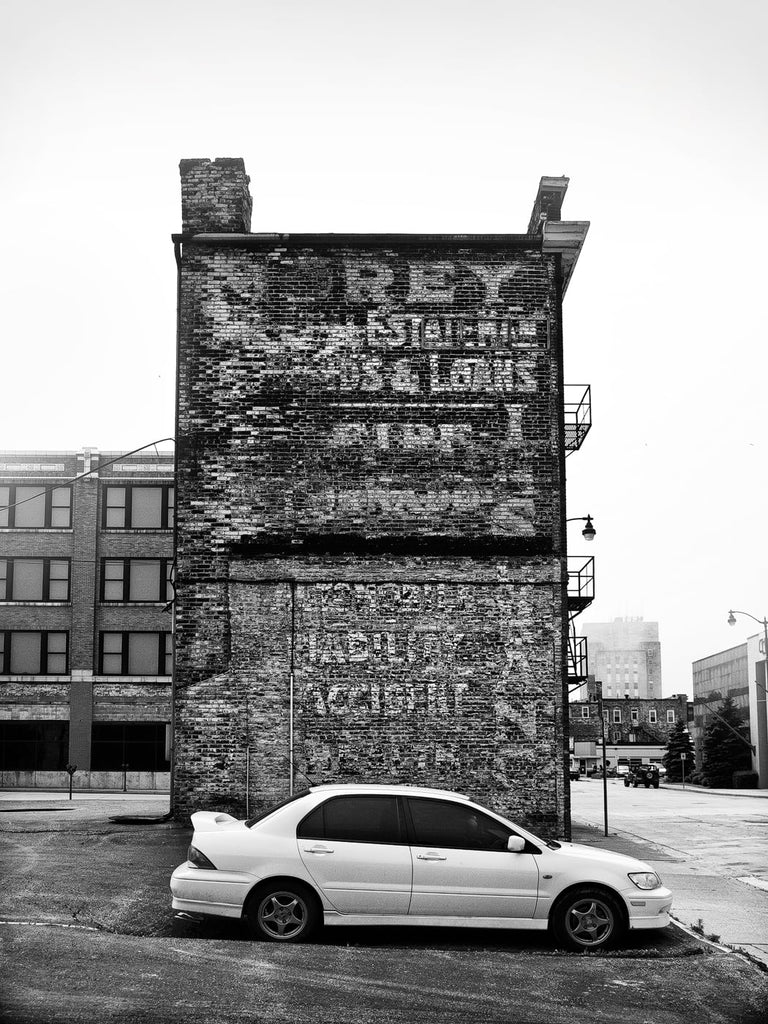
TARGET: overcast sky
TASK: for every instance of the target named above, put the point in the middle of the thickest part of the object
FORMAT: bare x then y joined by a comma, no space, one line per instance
420,115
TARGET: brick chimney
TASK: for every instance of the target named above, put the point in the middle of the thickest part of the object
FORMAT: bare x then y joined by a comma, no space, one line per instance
549,200
215,196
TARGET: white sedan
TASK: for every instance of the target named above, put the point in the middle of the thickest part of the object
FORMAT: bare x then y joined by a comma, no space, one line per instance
402,855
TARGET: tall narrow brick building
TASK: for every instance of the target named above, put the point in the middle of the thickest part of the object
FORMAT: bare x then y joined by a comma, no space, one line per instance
372,578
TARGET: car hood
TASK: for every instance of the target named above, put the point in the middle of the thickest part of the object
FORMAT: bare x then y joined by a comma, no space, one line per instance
607,857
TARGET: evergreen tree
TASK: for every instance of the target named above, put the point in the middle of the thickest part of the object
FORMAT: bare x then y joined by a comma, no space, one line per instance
679,742
725,750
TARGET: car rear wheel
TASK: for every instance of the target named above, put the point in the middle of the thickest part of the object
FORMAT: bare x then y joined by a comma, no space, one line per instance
587,919
283,913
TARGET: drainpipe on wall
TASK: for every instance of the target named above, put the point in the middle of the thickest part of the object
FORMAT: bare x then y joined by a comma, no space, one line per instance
172,781
291,687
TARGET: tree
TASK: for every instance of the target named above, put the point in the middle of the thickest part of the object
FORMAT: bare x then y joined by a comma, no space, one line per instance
679,742
726,747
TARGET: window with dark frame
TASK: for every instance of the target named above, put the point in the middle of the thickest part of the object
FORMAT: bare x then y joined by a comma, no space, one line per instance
355,819
34,579
33,652
441,823
138,507
130,653
35,507
131,580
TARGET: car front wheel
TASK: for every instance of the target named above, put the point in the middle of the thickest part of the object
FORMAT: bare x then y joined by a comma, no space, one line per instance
587,919
283,913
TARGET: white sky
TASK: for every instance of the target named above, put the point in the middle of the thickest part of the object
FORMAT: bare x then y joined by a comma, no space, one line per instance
422,115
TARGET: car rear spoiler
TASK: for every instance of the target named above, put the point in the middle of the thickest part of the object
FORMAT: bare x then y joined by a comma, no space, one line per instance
209,821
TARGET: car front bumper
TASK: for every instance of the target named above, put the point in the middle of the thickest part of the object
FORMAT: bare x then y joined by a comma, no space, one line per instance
648,909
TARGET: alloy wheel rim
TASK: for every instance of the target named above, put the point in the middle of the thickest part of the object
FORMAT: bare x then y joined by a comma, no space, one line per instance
589,922
283,915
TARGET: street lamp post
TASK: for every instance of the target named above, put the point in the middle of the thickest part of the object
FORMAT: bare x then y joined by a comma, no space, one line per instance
589,531
760,696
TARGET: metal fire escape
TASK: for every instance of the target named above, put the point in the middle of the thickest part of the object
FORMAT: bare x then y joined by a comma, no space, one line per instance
577,416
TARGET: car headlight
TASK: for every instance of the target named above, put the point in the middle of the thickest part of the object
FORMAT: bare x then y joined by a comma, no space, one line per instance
645,879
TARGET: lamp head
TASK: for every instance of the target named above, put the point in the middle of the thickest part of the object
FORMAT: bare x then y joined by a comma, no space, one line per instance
731,619
588,533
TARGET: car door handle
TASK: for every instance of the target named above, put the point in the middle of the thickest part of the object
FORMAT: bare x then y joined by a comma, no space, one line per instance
430,856
318,849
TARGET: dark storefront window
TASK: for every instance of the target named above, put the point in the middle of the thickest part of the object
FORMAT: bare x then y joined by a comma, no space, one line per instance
139,745
33,746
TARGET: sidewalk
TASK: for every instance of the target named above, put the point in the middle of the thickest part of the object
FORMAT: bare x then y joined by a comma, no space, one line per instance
718,902
759,793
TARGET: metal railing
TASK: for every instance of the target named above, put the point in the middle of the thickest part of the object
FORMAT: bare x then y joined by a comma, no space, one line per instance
581,582
577,414
578,661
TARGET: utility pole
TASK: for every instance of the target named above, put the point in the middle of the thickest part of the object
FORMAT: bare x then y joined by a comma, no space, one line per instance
599,696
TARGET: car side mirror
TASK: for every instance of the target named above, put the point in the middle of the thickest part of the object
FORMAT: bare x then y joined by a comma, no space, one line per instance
515,844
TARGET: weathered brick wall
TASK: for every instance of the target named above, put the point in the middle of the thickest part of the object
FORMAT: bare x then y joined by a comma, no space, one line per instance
131,702
388,409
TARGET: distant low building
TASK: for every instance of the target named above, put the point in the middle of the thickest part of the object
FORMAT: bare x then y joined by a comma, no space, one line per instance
636,730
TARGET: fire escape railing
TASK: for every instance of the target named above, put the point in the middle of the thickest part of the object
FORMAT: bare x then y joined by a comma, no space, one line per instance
581,582
578,660
577,414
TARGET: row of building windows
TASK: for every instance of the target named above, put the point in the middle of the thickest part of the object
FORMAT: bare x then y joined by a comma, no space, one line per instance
130,507
616,715
123,580
46,652
115,746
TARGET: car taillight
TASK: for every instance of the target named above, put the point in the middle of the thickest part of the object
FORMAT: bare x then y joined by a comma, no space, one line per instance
194,856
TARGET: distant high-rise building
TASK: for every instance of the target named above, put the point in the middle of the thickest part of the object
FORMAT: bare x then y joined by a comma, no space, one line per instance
626,656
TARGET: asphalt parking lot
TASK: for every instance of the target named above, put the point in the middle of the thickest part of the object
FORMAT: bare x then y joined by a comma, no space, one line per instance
88,933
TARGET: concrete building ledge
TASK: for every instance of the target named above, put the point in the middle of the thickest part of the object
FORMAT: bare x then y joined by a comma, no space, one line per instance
155,782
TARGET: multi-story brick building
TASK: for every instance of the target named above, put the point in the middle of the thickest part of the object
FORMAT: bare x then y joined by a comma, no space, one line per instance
371,547
86,551
636,729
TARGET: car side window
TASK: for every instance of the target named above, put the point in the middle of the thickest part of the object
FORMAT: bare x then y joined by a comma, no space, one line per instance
354,819
440,823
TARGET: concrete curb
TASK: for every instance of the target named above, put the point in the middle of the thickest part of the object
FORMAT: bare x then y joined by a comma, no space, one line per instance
760,794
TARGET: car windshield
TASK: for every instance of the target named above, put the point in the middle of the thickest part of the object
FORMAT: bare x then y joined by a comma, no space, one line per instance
275,807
